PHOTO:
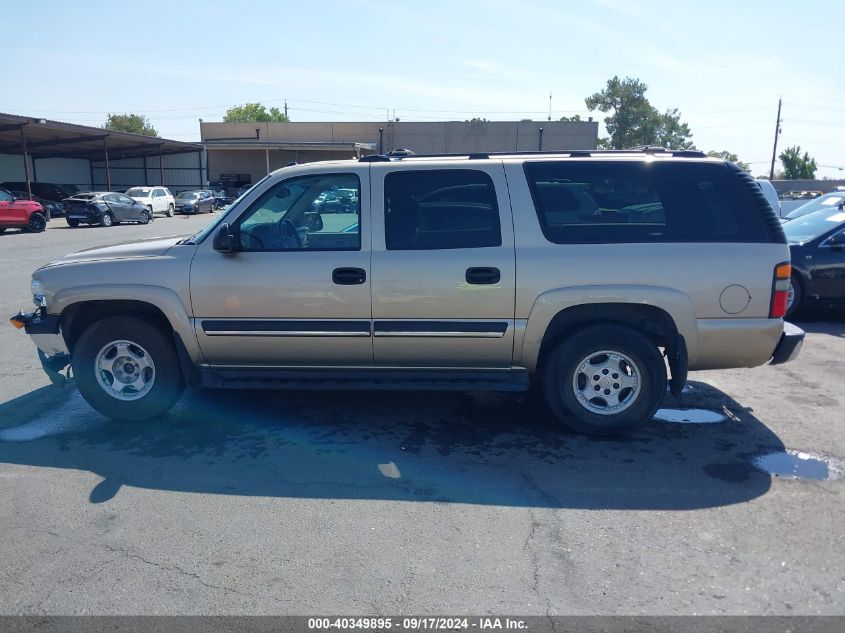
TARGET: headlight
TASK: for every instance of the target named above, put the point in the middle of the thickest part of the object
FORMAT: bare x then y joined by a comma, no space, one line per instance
38,296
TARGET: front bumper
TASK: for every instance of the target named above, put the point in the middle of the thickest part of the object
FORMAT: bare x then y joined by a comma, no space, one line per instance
44,331
789,344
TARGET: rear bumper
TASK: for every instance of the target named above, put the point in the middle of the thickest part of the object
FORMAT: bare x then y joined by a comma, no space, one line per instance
789,345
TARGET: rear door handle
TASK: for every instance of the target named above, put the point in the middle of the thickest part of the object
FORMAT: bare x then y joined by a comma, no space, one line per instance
483,275
349,276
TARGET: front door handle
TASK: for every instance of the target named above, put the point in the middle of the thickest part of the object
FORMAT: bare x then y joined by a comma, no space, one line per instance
483,275
349,276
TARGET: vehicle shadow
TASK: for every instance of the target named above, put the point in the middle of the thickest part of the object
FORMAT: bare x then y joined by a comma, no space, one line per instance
822,320
477,448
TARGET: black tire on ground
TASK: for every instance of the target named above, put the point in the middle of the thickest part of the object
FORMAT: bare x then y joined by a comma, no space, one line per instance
170,209
2,229
36,224
72,223
167,383
144,217
561,368
797,296
107,219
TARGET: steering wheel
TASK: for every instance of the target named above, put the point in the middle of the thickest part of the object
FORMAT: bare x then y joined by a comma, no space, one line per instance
289,234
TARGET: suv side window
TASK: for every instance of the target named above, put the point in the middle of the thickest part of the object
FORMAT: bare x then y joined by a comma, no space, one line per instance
440,209
590,202
319,212
5,197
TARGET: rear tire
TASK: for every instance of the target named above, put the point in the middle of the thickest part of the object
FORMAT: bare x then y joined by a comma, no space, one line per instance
107,219
101,363
36,224
604,380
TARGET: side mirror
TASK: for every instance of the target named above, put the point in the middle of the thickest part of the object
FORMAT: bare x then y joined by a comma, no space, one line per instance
314,222
226,239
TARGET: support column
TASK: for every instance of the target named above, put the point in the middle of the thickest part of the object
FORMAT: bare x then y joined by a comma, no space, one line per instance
108,171
267,158
26,165
199,169
146,179
160,168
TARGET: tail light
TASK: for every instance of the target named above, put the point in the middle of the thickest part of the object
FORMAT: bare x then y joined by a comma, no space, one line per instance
780,290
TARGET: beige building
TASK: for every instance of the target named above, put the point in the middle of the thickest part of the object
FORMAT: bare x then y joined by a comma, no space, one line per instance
242,153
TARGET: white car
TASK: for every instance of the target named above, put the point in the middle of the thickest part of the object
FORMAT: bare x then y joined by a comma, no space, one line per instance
156,199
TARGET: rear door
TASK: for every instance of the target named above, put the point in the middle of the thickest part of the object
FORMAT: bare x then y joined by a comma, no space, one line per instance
443,265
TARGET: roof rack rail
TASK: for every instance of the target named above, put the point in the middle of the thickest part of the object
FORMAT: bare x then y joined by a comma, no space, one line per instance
573,153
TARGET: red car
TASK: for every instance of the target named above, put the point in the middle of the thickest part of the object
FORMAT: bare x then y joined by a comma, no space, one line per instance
26,215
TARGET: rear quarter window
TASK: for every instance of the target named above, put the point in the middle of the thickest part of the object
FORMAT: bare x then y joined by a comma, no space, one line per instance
591,202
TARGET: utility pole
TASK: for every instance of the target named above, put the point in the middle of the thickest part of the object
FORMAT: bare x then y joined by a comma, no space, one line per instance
775,148
286,108
550,106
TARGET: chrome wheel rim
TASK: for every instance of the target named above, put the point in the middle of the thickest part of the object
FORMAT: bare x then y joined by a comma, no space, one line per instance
606,382
124,370
790,295
107,220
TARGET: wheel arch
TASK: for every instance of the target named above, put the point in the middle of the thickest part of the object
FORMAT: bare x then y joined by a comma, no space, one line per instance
663,314
78,307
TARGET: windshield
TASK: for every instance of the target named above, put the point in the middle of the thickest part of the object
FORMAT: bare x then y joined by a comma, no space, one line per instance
230,215
186,196
812,225
137,192
828,201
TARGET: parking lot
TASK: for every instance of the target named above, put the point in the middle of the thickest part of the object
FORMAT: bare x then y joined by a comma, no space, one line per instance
384,503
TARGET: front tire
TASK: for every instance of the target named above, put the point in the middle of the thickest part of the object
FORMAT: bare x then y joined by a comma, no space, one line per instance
36,224
144,217
127,369
107,219
170,210
72,223
604,380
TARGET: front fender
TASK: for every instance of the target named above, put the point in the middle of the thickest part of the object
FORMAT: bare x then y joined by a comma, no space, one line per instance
162,298
678,305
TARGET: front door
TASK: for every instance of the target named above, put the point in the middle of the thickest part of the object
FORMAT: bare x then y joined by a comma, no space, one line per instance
829,268
443,265
297,293
11,213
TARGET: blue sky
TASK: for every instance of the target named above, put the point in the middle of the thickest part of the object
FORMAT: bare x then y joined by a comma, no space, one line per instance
722,64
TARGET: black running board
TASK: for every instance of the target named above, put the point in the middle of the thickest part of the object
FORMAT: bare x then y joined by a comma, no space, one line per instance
375,379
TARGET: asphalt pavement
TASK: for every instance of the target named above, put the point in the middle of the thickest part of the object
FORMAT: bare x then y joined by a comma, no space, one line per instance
397,503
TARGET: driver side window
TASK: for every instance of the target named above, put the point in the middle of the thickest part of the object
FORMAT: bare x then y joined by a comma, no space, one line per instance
320,212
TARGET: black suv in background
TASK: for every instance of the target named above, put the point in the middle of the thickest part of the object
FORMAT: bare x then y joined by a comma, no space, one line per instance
45,193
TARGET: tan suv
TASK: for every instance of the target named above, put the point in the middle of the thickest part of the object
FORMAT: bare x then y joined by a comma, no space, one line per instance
598,276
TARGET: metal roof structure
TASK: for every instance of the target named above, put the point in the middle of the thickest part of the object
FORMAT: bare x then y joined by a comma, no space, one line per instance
42,138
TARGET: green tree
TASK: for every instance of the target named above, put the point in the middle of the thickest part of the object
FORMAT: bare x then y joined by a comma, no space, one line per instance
477,119
135,123
575,118
797,167
730,157
254,113
634,121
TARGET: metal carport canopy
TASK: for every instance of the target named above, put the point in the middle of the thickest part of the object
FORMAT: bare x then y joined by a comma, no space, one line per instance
54,139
